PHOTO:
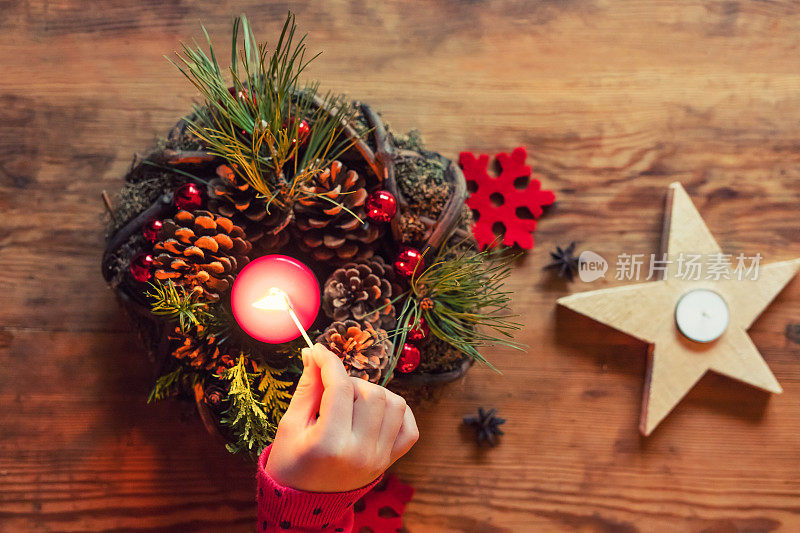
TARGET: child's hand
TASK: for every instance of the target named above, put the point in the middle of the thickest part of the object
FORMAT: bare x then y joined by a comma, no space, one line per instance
361,430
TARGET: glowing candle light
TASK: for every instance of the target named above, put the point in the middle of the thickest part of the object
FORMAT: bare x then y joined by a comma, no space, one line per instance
275,298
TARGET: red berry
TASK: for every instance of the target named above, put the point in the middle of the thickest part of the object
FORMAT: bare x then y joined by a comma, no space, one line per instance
303,130
188,196
408,262
142,267
419,332
242,94
152,229
409,358
381,206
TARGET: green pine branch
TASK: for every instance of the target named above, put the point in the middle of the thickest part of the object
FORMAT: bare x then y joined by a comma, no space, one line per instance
178,305
407,318
254,126
461,298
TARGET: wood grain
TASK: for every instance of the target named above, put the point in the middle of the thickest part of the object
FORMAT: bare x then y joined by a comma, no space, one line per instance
614,100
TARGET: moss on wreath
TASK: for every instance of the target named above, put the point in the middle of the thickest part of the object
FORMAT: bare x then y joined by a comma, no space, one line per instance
120,259
180,138
139,194
437,356
423,183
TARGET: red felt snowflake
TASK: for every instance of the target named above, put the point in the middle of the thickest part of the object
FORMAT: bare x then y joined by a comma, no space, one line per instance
381,509
501,206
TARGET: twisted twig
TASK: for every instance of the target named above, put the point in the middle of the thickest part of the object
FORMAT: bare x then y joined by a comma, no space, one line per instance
358,142
157,210
181,157
385,158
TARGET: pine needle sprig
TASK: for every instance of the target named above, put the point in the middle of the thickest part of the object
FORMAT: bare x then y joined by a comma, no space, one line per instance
192,177
246,415
325,198
178,305
461,297
407,319
255,125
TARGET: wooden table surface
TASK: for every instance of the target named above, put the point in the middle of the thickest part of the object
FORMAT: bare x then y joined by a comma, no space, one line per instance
614,100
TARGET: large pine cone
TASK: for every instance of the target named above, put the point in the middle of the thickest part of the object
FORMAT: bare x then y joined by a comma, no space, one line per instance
365,351
201,351
362,291
324,221
232,197
201,251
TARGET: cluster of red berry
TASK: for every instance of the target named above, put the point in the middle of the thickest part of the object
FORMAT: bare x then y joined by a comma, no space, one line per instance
409,262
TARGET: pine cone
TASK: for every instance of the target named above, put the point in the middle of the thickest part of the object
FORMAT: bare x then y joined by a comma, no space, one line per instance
201,351
362,291
201,251
324,221
364,350
215,394
232,197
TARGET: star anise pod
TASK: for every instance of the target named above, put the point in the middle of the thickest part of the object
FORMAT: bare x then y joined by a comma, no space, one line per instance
564,262
486,425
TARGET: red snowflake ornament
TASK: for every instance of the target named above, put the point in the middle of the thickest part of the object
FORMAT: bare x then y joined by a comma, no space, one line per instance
499,204
381,509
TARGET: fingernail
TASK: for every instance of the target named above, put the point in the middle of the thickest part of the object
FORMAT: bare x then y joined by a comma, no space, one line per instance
304,354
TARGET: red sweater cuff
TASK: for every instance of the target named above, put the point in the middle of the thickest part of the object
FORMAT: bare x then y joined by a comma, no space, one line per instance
286,509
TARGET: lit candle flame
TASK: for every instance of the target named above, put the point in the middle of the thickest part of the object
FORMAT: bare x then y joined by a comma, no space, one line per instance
275,300
278,300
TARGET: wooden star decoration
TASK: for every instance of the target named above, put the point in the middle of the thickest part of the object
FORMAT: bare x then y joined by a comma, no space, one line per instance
647,311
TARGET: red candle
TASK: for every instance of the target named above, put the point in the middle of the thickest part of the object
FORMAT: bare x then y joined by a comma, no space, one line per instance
267,290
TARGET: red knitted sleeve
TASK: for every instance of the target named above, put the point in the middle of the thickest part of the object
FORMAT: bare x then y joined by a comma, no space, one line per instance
286,509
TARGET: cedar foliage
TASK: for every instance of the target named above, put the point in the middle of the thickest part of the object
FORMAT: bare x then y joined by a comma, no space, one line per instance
171,383
246,415
277,392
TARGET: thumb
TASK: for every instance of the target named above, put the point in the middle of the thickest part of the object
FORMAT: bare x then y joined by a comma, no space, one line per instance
305,402
408,436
